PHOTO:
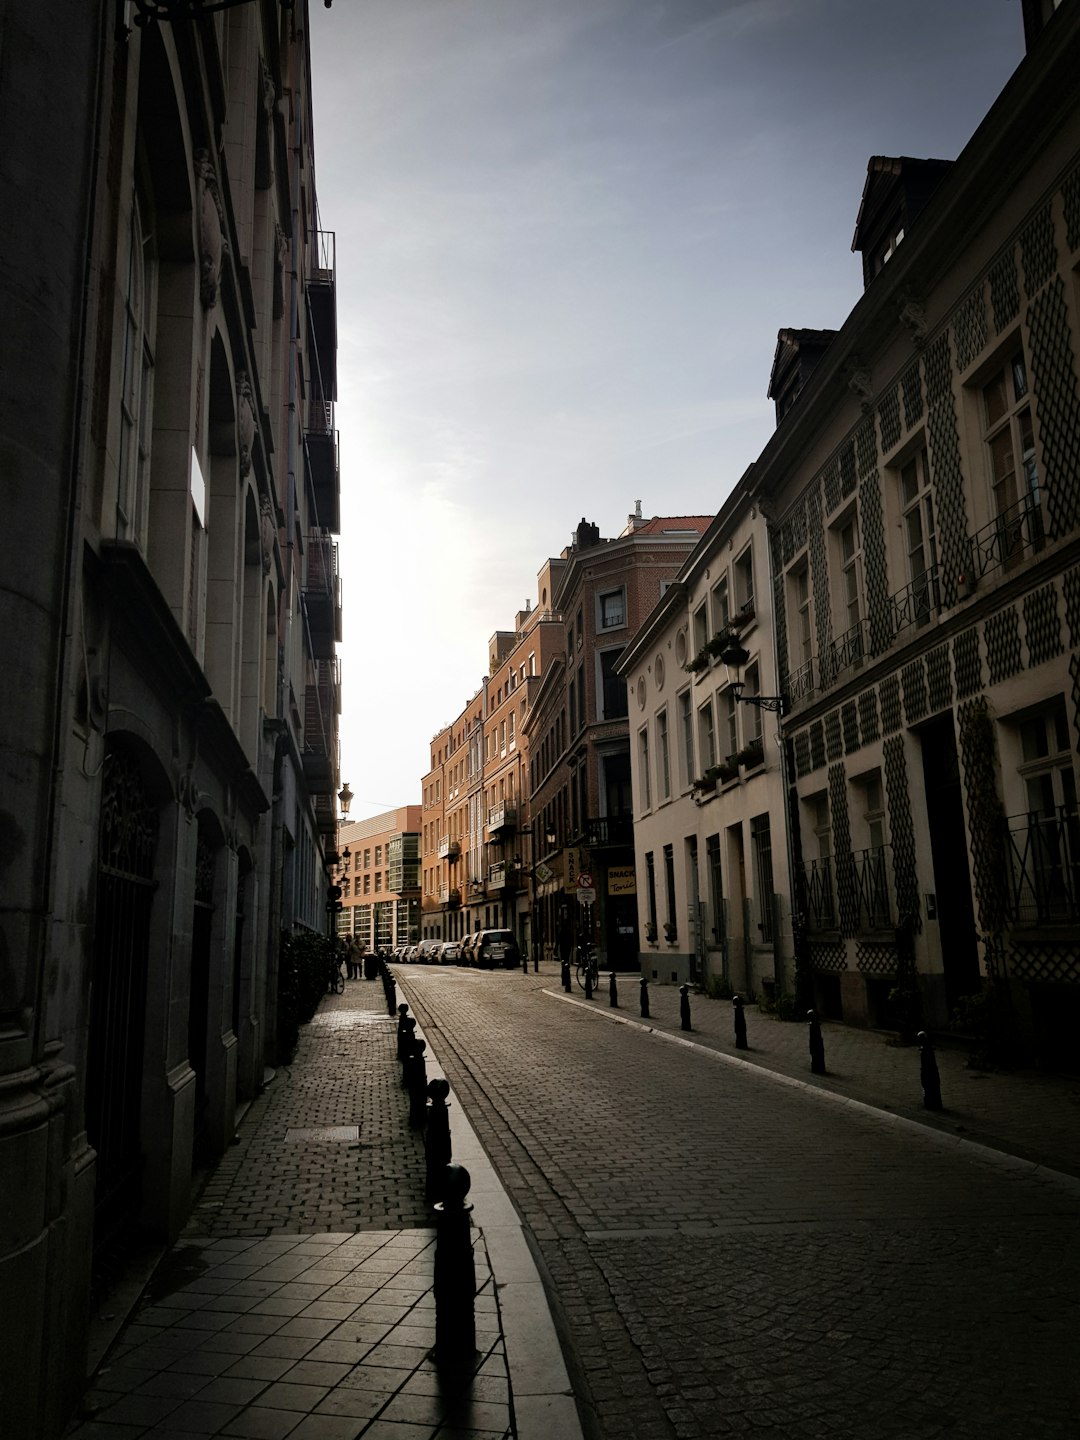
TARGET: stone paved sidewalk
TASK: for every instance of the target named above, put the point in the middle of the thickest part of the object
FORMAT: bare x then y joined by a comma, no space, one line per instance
1027,1113
299,1301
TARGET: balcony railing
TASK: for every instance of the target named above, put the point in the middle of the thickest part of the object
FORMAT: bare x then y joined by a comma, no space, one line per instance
1044,867
847,652
449,895
802,683
1001,544
870,871
501,817
609,831
820,895
502,875
321,445
448,849
322,309
322,594
319,755
917,603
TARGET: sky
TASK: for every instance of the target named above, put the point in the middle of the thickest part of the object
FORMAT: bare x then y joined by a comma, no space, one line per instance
567,234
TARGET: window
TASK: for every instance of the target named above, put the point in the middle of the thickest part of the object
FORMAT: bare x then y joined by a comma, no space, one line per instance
801,639
721,605
850,576
716,888
920,541
663,759
752,713
579,626
511,741
729,725
761,841
817,874
871,875
378,854
614,686
686,727
670,928
744,582
701,627
378,881
612,609
1014,476
643,760
650,889
1045,840
706,737
367,859
136,400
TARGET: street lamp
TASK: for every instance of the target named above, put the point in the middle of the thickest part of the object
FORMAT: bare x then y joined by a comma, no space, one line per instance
345,799
147,11
735,655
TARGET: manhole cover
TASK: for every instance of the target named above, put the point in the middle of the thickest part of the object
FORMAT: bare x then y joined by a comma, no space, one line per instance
333,1134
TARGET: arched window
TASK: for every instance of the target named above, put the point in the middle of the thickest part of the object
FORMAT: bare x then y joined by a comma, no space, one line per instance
136,399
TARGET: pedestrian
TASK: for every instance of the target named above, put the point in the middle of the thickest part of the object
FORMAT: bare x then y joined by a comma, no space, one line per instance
352,959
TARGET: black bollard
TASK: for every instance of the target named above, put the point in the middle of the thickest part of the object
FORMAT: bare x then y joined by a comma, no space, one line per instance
402,1014
408,1048
455,1272
524,962
437,1151
613,992
817,1044
644,986
684,1006
566,982
391,994
418,1085
536,959
928,1072
588,982
740,1022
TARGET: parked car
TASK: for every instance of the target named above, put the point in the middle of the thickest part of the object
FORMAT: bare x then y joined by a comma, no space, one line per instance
495,948
449,952
466,947
427,952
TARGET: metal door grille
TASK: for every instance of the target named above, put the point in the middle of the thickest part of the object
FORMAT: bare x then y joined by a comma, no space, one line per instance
127,844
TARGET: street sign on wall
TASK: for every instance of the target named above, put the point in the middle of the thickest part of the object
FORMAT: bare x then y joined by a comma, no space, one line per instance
586,895
621,880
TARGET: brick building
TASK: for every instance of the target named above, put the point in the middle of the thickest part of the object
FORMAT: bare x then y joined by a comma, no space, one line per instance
378,870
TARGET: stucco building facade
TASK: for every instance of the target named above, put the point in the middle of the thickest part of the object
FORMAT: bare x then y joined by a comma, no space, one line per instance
168,733
923,495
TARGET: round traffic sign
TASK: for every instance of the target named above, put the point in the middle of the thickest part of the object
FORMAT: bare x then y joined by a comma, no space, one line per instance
584,880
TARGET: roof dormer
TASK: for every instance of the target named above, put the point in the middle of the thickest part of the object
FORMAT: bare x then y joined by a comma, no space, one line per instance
896,190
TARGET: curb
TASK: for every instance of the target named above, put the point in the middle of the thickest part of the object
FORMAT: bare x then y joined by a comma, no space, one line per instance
542,1397
983,1151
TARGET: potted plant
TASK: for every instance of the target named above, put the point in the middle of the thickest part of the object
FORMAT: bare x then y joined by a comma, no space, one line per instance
752,755
671,934
728,769
707,781
650,932
699,662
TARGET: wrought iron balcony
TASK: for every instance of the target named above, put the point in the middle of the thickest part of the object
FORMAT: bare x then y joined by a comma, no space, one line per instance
820,895
917,603
321,447
870,870
1002,544
321,293
1044,867
319,755
802,682
322,594
608,832
448,849
449,895
847,652
501,817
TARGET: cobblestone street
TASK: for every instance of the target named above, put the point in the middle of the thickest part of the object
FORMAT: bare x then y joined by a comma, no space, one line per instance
732,1251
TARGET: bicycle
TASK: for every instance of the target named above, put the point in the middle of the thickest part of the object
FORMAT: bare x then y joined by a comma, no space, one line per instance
336,985
587,966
